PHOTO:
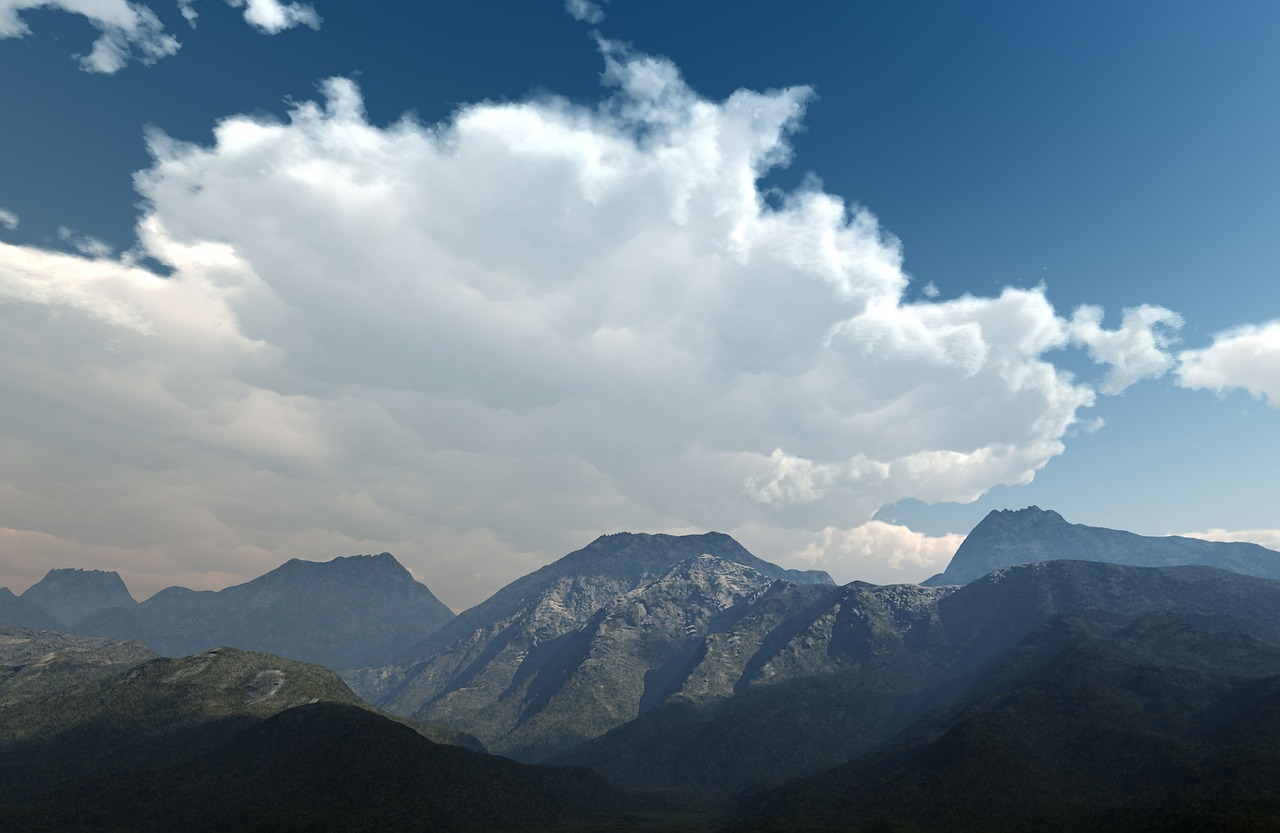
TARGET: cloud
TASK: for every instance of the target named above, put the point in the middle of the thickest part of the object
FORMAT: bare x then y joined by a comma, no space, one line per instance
132,30
273,17
585,11
127,30
1136,351
1269,538
481,343
879,552
1247,358
8,219
85,244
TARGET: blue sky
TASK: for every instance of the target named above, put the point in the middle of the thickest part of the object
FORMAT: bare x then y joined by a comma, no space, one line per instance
775,269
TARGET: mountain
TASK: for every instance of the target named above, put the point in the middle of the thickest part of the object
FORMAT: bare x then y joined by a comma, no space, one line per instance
803,679
16,611
329,766
36,665
1089,740
99,735
1006,537
91,721
583,644
349,612
70,596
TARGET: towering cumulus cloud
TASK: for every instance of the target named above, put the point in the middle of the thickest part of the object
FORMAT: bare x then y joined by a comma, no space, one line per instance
481,341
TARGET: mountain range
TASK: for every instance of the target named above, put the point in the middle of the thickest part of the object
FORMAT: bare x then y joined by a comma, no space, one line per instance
1091,679
349,612
1006,537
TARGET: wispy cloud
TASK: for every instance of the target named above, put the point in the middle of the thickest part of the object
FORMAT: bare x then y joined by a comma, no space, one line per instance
85,244
1269,538
132,31
585,10
126,31
9,219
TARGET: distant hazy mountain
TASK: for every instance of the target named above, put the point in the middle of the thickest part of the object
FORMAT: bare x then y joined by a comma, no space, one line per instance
583,644
16,611
801,679
73,595
1006,537
344,613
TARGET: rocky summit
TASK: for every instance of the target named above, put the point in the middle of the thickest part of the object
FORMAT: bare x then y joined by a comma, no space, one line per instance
1006,537
585,644
71,596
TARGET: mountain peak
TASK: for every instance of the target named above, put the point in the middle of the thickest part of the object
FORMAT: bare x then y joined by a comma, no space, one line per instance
73,594
1008,537
1021,517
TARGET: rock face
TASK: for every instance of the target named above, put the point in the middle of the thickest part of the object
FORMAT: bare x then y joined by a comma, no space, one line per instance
351,612
1006,537
584,644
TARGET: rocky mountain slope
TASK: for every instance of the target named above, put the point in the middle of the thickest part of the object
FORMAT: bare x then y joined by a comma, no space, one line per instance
36,665
1006,537
802,679
582,645
344,613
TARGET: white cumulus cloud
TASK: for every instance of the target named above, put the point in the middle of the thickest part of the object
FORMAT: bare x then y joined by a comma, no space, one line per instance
273,17
481,342
879,552
1245,358
1138,350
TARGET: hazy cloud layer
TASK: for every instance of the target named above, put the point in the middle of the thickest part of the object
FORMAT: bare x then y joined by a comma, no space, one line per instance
480,343
1269,538
1245,358
131,31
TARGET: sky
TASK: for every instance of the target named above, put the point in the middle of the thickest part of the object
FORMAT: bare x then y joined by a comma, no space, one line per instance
475,283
